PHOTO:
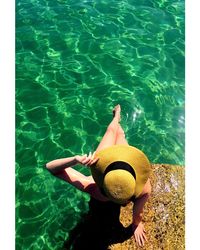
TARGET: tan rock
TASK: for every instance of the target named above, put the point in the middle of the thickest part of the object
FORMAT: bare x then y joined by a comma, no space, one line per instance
163,213
163,218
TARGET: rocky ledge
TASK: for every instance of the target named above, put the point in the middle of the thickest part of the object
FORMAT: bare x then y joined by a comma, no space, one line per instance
164,212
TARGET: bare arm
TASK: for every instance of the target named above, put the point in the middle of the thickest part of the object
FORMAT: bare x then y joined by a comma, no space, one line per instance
140,202
56,166
62,168
138,207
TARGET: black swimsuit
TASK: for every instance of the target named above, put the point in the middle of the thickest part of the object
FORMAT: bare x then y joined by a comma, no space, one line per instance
100,228
106,212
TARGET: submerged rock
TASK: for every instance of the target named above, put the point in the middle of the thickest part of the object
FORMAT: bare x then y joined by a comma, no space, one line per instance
164,212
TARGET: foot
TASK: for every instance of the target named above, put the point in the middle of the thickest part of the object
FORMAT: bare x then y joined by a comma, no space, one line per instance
116,112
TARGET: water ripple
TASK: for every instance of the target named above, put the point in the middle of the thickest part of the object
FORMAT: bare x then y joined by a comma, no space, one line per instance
75,60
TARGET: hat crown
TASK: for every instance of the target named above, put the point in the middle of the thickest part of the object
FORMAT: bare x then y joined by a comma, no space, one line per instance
119,185
134,157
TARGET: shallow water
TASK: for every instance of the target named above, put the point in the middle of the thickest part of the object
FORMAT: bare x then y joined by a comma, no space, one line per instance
75,60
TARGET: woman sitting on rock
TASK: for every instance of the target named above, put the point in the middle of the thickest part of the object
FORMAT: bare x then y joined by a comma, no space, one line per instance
120,174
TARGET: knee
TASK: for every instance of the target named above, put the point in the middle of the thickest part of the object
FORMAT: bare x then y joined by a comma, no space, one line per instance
120,131
111,129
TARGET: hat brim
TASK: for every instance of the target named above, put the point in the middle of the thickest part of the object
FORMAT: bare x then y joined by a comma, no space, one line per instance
131,155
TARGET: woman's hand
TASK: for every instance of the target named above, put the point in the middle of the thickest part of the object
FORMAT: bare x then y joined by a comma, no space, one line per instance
139,234
86,160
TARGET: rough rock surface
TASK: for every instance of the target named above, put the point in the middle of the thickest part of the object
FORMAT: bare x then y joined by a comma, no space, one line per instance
163,214
108,225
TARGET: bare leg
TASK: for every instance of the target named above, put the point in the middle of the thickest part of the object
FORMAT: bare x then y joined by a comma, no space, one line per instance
120,138
110,135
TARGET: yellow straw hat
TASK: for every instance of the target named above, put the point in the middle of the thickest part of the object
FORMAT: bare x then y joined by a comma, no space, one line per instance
121,172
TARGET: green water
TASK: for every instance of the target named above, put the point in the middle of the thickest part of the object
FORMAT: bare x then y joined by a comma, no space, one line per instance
75,60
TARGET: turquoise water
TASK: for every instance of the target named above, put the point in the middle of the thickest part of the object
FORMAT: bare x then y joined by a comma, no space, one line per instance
75,60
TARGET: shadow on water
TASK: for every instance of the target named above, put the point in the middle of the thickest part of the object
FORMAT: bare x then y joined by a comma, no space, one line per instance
98,229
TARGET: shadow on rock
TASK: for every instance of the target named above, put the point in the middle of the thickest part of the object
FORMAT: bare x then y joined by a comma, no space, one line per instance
99,228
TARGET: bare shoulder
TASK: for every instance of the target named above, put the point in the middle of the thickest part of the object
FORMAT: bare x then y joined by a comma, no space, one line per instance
147,188
94,190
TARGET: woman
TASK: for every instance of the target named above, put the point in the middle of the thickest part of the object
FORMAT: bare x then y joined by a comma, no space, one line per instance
120,181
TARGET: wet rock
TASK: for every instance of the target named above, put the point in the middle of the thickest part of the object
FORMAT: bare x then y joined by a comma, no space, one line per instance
164,212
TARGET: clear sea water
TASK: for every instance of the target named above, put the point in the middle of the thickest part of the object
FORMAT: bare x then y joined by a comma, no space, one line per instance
75,60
